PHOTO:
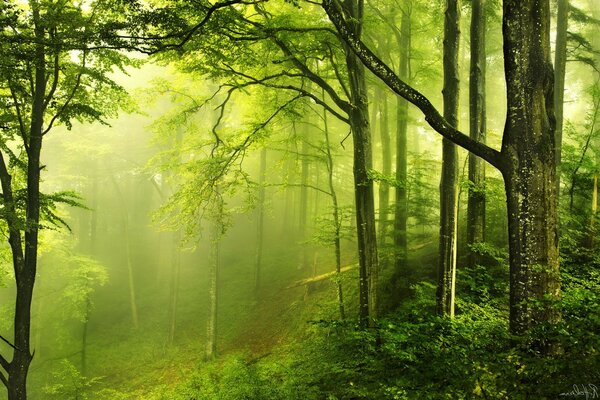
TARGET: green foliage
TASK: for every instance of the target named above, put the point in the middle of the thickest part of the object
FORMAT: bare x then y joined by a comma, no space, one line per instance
69,384
239,377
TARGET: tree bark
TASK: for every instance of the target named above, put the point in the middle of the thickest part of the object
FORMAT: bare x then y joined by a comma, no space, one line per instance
449,180
26,265
530,165
363,184
477,119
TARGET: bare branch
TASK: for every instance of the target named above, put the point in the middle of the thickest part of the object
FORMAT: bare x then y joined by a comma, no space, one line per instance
54,79
69,99
4,362
22,130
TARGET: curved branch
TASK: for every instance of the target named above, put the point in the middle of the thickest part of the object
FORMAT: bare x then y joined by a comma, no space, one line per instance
383,72
303,92
342,104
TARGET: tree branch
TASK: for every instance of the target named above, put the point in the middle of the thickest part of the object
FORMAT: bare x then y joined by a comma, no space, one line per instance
4,362
305,93
69,99
383,72
342,104
4,380
22,130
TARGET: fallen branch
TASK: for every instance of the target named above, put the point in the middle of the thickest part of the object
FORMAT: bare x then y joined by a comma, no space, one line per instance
321,277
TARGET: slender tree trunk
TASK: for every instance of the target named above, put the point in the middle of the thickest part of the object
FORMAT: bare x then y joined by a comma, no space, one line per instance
401,214
174,286
260,221
530,165
560,64
303,209
128,257
477,118
449,181
93,229
363,184
213,292
592,234
336,218
386,156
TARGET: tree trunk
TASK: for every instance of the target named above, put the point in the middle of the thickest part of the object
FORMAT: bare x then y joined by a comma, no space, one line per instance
449,180
477,119
174,286
260,221
560,64
363,184
128,257
386,169
527,160
530,165
401,214
213,292
303,209
26,265
592,234
336,218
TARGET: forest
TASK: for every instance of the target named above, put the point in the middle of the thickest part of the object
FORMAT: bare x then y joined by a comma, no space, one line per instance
299,199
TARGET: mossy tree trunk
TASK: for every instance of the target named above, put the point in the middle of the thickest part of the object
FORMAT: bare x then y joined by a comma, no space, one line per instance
449,180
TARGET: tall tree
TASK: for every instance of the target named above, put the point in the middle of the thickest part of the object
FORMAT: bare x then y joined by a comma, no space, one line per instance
477,127
526,160
260,221
401,214
449,180
560,64
53,71
363,183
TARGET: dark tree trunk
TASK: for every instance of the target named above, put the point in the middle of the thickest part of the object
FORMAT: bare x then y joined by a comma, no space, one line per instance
530,165
26,265
449,181
363,184
401,214
477,119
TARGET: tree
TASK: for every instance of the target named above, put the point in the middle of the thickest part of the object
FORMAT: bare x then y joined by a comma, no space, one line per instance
526,160
560,64
52,72
449,180
477,127
263,50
